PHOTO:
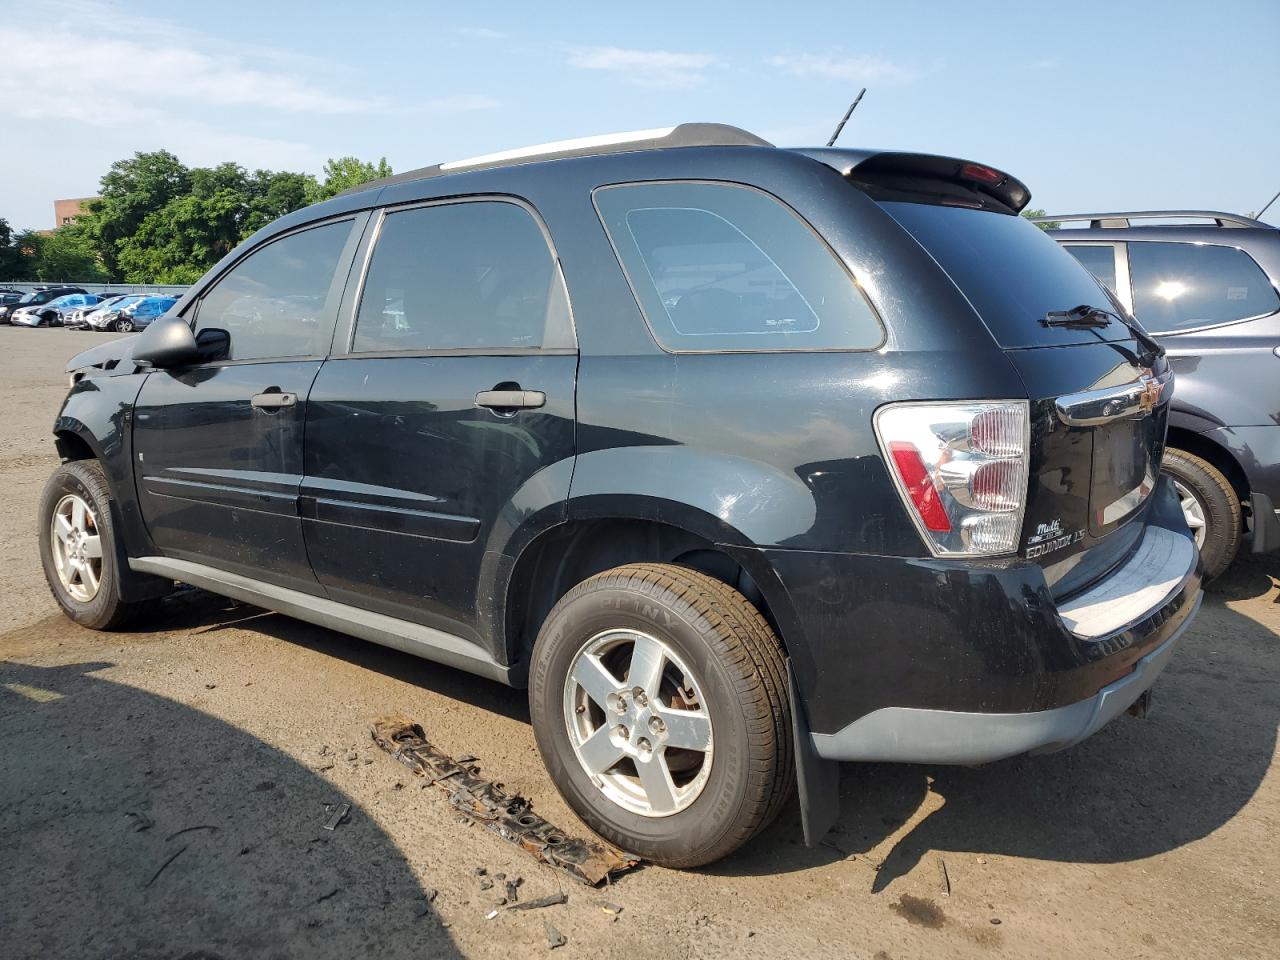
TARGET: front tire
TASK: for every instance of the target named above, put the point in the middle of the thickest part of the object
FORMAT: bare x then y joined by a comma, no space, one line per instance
659,704
78,547
1211,508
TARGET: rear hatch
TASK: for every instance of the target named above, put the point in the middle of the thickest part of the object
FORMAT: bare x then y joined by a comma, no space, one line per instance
1098,395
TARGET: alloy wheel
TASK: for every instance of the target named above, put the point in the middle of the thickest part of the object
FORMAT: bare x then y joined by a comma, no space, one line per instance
1194,512
77,548
638,722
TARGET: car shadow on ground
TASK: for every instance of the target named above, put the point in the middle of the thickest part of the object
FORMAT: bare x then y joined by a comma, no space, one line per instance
135,826
1136,789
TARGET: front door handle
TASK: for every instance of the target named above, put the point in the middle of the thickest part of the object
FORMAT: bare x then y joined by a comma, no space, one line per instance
273,399
511,399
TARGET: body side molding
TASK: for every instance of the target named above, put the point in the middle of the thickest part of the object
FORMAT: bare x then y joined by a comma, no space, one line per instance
414,638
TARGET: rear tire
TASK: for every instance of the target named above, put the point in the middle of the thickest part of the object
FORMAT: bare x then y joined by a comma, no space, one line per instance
718,729
1209,500
80,563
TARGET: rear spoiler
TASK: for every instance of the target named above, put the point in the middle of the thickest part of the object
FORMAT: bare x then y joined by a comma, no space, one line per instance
889,175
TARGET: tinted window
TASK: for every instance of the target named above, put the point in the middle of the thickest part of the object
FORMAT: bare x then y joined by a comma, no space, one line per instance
1178,286
723,267
474,275
280,301
1012,272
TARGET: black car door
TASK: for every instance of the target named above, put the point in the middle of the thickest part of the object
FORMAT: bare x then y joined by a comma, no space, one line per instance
219,445
454,395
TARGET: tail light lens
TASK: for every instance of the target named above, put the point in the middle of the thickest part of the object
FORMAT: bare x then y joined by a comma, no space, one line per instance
961,469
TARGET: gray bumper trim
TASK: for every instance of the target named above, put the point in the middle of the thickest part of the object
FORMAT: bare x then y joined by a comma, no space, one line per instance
913,735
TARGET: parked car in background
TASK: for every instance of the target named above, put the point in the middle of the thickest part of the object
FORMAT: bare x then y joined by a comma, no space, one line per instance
131,313
8,295
36,298
1208,289
50,314
678,429
76,319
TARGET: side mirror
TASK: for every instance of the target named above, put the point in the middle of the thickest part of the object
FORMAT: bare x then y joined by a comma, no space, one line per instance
168,342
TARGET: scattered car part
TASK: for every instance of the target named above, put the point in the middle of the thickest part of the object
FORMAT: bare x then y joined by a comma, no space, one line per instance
548,901
554,937
338,814
499,812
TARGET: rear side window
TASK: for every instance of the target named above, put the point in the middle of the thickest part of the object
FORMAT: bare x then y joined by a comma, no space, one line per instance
1180,286
281,300
1098,258
475,275
1011,271
720,267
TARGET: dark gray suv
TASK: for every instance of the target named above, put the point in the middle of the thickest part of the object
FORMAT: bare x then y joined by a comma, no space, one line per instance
1206,288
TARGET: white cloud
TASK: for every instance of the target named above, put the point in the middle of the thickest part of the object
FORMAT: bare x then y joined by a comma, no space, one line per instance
662,69
95,89
851,69
480,33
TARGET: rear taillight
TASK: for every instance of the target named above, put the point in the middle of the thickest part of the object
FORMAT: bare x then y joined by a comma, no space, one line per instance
961,469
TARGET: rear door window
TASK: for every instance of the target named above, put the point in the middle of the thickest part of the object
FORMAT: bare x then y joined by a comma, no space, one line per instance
1182,286
1012,272
472,275
722,267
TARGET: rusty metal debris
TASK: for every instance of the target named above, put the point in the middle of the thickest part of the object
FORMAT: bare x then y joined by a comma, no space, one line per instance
547,901
486,803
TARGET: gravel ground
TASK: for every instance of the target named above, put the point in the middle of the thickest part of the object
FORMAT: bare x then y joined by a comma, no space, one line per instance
162,793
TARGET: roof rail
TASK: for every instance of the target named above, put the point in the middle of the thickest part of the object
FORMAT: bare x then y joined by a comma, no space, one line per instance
1111,220
661,138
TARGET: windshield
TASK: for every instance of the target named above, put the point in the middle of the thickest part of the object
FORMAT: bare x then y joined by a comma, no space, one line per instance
1013,273
34,297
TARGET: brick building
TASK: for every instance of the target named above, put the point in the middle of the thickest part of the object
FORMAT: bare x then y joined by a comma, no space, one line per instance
64,211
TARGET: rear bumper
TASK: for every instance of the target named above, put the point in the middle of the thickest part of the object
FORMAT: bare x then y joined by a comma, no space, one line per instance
909,735
917,659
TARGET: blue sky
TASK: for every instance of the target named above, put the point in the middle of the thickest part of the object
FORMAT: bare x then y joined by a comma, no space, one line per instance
1095,105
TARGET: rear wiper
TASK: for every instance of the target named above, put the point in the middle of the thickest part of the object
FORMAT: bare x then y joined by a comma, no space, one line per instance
1081,316
1086,317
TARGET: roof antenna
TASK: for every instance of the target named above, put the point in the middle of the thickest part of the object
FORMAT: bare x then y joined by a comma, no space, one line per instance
1258,215
845,119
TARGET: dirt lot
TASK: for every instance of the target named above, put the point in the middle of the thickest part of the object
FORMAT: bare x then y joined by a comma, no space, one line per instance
1156,838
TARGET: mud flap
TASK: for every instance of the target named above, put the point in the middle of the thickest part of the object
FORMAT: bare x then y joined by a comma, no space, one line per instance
817,779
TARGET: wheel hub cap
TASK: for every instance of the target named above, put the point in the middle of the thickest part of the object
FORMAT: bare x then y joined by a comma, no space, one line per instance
77,548
1193,511
637,722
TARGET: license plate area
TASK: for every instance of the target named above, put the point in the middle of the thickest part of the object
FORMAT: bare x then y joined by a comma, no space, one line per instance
1124,470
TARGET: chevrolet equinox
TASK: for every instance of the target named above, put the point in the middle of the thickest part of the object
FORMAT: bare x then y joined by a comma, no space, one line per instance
743,460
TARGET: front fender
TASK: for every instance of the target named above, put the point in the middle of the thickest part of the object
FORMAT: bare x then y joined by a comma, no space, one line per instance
98,412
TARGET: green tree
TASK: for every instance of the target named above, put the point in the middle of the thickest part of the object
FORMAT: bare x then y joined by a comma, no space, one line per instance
69,253
19,252
1037,212
346,172
131,191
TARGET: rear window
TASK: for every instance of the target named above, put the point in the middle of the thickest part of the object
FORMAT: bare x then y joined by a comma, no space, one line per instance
722,267
1012,272
1182,286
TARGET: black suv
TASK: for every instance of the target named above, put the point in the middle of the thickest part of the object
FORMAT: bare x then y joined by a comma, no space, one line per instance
35,298
1208,293
744,460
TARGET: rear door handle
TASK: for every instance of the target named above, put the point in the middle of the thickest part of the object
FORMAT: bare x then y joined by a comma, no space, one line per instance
273,399
511,399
